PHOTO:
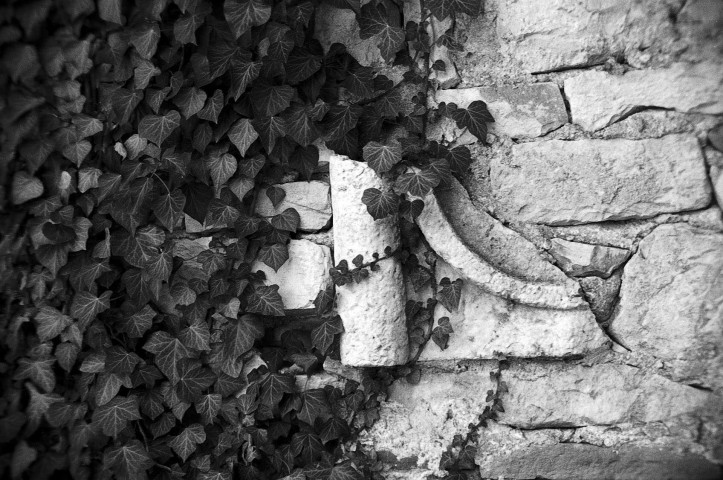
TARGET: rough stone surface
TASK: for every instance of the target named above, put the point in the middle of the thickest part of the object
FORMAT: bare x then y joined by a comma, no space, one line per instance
562,183
496,258
484,324
601,294
558,395
583,260
337,25
372,311
598,99
525,111
564,34
671,303
302,276
311,199
715,137
563,461
420,421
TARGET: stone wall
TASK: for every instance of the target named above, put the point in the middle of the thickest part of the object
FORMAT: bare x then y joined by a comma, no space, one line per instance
589,235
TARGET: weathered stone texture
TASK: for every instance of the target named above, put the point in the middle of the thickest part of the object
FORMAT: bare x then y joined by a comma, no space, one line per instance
339,25
671,303
497,259
598,99
525,111
372,311
302,276
582,259
601,294
311,200
563,183
484,324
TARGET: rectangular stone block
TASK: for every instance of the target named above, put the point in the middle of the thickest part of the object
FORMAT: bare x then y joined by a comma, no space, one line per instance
573,182
525,111
598,99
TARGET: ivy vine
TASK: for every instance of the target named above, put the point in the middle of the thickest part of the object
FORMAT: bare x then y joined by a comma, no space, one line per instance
128,127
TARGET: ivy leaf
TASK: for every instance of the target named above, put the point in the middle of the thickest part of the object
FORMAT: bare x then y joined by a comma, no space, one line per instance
450,293
444,8
131,458
242,134
213,107
475,118
111,11
40,371
301,64
115,415
270,129
77,151
168,208
108,385
340,119
208,407
440,334
220,213
324,300
274,255
382,157
314,405
287,220
86,307
276,194
156,128
221,167
345,471
274,387
66,353
307,446
239,336
268,100
198,198
360,82
373,21
50,322
185,443
323,336
193,380
145,39
418,183
305,160
39,405
459,159
169,352
23,456
241,15
380,204
266,301
242,74
196,336
190,101
300,127
334,429
184,30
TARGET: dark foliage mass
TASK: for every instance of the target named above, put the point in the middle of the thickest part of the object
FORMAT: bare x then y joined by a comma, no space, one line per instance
122,121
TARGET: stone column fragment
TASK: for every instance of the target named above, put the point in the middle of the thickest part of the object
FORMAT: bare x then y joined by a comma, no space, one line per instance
372,311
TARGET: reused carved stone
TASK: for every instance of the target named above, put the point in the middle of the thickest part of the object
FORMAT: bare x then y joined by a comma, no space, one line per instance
598,99
572,182
311,200
302,276
525,111
583,259
372,311
485,324
496,258
671,303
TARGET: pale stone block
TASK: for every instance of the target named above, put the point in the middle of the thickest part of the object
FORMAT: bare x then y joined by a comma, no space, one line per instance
572,182
598,99
489,254
671,303
302,276
372,311
583,259
525,111
311,200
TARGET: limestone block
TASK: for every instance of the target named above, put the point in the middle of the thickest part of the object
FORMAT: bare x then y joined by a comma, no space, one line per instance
484,324
598,99
311,199
525,111
671,302
421,420
372,311
716,179
582,259
601,294
302,276
567,34
339,25
548,454
494,257
572,182
547,395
